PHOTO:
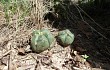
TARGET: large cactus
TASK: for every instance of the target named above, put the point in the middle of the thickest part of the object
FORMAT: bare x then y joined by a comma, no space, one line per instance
65,37
41,40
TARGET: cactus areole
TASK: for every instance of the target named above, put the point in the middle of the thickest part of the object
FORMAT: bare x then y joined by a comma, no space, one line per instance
65,37
41,40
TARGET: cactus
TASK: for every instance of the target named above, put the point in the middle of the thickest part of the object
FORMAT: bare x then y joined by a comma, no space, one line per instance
65,37
41,40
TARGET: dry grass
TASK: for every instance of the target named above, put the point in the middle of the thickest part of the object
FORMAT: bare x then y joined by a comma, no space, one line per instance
16,26
21,21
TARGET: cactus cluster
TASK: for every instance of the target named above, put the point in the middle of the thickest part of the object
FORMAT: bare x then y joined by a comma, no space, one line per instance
43,39
65,37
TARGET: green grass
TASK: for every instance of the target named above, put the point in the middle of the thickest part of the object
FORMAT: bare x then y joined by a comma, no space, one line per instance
18,8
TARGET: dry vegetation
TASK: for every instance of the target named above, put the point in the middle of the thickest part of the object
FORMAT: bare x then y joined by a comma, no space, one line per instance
20,17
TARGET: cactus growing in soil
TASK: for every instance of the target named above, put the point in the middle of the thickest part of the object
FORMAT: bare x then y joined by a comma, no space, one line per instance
65,37
41,40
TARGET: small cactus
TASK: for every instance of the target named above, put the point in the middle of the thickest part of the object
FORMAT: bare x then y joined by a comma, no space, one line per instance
41,40
65,37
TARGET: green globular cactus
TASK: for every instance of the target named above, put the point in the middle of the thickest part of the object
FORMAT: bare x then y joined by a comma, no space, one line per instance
65,37
41,40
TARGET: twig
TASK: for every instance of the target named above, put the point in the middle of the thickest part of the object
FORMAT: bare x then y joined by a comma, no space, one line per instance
9,61
89,16
88,23
5,54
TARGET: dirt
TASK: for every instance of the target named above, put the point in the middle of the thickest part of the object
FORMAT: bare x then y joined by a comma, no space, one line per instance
16,53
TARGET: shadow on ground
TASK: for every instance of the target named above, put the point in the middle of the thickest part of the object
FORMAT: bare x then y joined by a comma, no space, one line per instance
87,40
